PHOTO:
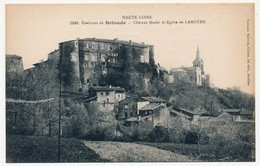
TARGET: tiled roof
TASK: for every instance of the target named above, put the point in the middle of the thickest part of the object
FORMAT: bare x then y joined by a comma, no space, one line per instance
178,113
105,88
231,110
150,106
153,99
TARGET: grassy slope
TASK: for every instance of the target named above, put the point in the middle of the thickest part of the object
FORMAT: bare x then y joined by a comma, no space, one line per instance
32,149
188,150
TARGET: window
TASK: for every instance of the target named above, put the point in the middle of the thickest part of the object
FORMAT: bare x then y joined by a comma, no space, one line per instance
150,112
126,106
142,58
101,93
88,80
107,93
146,112
110,48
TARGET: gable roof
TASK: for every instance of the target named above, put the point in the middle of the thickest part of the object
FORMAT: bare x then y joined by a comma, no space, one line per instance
153,99
150,106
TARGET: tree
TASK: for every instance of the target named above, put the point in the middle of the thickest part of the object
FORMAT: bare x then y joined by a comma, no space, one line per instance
178,127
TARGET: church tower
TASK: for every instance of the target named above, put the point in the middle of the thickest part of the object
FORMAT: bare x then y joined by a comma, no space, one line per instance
198,62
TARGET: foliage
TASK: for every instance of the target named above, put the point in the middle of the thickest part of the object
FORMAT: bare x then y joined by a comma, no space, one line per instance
235,141
33,149
159,134
178,129
188,95
75,119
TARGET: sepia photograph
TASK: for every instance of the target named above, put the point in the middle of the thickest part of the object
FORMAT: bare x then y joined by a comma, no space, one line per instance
157,82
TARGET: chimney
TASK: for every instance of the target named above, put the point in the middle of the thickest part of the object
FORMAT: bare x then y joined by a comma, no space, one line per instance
130,42
142,43
77,38
115,39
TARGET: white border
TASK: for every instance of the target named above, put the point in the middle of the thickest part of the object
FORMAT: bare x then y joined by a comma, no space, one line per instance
2,70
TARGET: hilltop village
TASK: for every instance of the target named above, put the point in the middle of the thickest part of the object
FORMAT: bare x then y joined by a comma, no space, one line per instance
111,76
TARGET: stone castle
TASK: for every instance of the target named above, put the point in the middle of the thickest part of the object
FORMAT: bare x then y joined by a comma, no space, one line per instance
85,62
101,62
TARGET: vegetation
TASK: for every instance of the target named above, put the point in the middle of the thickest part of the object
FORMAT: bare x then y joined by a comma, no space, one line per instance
226,143
188,95
32,149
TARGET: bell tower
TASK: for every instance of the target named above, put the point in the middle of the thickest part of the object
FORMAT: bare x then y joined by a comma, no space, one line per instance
198,62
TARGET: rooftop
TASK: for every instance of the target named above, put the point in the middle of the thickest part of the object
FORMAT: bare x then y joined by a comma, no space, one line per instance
106,88
153,99
232,110
150,106
112,41
13,56
246,112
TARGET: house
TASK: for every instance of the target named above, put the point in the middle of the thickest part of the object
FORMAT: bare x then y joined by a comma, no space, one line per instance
127,108
190,115
150,110
247,114
148,100
232,111
104,94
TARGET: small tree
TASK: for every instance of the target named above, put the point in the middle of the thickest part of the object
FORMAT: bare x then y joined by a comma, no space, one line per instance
179,127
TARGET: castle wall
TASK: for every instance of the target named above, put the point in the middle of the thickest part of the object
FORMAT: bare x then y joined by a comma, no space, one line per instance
86,61
14,64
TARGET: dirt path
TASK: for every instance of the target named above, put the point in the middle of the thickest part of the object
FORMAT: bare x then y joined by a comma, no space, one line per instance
131,152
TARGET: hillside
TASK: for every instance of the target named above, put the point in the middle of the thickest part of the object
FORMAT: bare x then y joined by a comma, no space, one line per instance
188,95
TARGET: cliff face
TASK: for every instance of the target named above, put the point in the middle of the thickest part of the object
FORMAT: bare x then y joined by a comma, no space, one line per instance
89,62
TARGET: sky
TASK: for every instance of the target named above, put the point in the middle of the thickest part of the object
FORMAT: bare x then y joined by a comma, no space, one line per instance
33,31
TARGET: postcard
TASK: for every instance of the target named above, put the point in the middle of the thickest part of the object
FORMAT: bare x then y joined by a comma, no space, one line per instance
109,83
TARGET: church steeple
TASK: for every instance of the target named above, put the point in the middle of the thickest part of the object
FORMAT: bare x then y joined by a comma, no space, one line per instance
198,53
198,62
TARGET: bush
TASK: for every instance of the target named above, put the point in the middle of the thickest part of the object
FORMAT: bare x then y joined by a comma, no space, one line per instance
159,134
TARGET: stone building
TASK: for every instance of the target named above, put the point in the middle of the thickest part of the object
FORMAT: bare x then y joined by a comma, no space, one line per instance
14,64
127,108
194,74
149,110
107,94
14,76
89,62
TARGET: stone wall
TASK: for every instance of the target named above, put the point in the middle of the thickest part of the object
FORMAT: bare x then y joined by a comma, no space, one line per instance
86,61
